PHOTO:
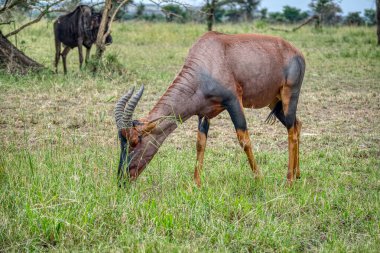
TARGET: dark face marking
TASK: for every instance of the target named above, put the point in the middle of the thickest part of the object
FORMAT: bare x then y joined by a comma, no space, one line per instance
123,155
214,90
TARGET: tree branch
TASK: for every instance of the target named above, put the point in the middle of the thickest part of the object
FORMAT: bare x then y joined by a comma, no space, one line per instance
10,6
39,17
111,20
94,5
7,23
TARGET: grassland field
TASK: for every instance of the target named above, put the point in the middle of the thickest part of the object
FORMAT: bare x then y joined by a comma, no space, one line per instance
59,153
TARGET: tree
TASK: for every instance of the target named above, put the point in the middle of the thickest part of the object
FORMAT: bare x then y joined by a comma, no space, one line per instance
173,11
276,17
327,10
370,16
378,21
293,14
11,58
354,18
264,13
249,7
209,9
105,30
140,10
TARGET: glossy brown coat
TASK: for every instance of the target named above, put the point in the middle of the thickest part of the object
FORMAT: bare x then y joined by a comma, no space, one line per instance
226,72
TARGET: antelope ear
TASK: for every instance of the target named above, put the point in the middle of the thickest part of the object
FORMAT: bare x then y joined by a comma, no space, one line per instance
148,128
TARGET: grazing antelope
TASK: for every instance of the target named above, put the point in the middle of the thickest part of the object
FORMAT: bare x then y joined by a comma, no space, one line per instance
221,72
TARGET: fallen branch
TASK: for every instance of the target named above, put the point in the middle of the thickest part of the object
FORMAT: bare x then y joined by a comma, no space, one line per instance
307,21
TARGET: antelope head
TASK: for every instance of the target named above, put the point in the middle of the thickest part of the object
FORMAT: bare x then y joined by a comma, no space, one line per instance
134,153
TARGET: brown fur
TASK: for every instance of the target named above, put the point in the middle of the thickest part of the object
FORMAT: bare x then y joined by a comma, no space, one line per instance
227,72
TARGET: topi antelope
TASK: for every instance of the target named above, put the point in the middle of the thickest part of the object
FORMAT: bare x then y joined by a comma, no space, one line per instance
221,72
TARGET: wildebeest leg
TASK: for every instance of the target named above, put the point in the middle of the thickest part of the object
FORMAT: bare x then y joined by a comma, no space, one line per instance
235,110
64,54
80,51
57,54
87,55
203,126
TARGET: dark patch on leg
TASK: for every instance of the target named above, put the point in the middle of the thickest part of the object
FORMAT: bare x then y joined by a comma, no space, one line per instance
294,73
236,113
203,125
278,112
215,91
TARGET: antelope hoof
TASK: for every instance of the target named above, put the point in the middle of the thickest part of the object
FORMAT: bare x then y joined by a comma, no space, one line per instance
258,176
289,183
197,178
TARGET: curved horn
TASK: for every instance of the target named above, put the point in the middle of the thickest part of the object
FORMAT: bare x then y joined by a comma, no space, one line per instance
127,117
119,108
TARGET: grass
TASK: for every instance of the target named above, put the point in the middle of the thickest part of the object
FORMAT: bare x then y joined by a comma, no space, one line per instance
59,154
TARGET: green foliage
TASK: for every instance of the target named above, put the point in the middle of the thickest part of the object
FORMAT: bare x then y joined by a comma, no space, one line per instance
370,16
264,13
328,10
354,18
140,10
277,17
293,14
174,12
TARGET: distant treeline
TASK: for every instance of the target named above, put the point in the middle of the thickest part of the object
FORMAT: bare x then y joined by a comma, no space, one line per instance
329,11
219,11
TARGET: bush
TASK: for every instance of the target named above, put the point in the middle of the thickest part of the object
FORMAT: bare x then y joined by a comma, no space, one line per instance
354,18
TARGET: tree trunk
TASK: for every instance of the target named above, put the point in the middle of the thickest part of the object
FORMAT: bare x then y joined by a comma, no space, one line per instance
249,15
13,60
210,14
100,40
378,21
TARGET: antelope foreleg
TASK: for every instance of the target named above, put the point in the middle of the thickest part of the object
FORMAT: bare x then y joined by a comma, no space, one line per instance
245,143
203,127
235,110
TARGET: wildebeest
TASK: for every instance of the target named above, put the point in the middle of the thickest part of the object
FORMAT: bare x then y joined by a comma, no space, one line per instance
221,72
76,29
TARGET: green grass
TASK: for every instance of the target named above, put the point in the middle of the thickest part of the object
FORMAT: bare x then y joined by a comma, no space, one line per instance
59,153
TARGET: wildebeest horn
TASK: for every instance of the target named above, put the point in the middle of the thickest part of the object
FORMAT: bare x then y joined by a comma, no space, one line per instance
119,108
127,117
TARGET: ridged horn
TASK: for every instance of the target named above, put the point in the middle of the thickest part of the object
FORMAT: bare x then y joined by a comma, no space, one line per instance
119,108
128,112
